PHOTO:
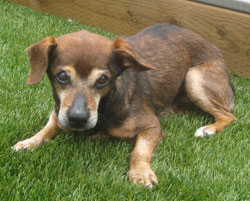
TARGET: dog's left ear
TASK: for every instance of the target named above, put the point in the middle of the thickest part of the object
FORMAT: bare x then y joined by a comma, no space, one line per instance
38,55
129,58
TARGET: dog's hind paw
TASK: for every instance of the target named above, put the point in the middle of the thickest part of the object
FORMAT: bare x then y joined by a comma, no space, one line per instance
204,132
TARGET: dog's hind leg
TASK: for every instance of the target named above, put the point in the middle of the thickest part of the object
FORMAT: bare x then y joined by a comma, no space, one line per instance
208,87
45,135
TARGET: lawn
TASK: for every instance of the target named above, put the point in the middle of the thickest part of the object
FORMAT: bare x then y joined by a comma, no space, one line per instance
76,168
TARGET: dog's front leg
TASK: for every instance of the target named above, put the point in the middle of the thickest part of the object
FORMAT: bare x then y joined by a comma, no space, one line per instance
140,170
45,135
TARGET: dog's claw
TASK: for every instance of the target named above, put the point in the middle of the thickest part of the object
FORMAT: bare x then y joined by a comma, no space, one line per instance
155,182
18,149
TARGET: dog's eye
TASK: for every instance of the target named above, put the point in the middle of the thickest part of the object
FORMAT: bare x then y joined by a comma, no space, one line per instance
102,81
62,77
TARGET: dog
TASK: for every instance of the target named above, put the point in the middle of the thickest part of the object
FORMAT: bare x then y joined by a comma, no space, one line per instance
123,87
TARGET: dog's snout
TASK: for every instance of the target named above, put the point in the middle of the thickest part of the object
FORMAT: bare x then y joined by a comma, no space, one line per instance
78,113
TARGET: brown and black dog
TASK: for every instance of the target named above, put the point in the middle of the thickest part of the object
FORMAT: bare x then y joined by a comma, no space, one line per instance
123,87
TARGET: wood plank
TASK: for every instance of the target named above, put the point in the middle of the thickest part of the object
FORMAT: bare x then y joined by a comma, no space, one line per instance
239,5
229,30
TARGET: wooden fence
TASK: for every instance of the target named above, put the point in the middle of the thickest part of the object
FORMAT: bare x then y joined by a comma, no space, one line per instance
229,30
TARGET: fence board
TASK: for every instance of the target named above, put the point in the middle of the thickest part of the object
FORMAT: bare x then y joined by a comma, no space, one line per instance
229,30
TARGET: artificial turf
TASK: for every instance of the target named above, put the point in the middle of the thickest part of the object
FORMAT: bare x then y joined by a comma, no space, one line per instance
76,168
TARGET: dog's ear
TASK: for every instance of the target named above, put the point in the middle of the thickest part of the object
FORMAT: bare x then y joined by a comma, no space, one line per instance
38,55
129,58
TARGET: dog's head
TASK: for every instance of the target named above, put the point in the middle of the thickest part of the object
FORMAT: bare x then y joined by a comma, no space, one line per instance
82,67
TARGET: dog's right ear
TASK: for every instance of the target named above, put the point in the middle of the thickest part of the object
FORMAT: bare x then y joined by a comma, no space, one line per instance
38,55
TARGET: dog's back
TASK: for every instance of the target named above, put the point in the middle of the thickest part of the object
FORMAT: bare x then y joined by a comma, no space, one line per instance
173,51
167,45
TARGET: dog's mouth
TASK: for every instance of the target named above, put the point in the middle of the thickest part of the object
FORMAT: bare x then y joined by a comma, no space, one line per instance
70,124
80,126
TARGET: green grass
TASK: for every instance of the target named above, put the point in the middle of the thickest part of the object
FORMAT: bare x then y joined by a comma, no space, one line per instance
75,168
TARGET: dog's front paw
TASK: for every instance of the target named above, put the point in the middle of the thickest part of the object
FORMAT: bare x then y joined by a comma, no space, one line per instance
30,144
146,177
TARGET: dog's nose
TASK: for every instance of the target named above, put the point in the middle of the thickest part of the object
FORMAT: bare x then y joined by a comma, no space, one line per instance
78,117
78,113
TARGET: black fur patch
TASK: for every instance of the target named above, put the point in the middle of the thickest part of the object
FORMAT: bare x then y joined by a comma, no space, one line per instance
232,87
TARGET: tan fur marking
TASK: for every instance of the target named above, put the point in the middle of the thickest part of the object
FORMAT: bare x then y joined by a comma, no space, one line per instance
92,100
95,74
195,90
70,70
67,97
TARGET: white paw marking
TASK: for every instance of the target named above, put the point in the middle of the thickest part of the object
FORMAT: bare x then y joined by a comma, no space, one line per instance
202,132
25,144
